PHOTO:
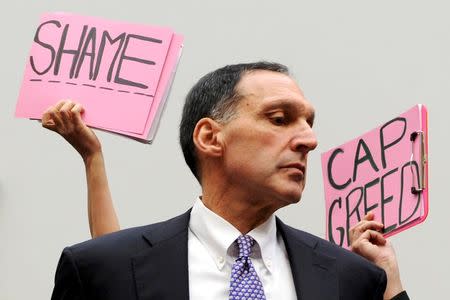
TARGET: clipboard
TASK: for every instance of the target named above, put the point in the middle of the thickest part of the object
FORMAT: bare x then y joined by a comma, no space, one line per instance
384,171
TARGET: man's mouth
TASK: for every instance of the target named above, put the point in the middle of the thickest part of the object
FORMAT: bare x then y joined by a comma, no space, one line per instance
296,167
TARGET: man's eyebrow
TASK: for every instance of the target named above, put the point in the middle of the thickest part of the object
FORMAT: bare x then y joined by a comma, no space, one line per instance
287,103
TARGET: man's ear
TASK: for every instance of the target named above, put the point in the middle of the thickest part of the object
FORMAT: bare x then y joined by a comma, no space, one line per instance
207,137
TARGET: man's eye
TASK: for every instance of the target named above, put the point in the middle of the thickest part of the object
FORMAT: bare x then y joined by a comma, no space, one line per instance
278,120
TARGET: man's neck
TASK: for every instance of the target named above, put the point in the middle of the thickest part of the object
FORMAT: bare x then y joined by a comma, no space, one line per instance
241,211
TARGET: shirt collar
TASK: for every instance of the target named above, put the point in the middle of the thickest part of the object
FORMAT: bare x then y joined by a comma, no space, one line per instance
266,237
217,235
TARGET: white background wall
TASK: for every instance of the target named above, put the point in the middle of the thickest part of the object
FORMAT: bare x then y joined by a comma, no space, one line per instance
359,62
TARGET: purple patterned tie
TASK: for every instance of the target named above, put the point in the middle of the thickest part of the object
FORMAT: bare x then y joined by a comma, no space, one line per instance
245,283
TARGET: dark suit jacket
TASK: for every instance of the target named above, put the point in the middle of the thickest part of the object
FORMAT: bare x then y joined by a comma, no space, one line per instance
151,262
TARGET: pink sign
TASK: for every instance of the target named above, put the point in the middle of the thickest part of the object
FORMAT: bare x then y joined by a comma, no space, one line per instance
384,171
161,94
113,69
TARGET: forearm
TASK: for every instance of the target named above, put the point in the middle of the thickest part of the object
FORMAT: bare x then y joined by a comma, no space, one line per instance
394,283
102,216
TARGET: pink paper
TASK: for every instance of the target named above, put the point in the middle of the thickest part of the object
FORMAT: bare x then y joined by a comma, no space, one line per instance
373,173
111,68
162,93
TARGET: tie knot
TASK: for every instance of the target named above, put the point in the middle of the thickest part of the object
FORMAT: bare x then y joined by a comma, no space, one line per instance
245,243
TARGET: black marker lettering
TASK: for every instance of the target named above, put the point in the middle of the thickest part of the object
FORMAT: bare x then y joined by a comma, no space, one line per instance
366,187
90,41
46,46
355,209
330,173
107,36
367,156
383,146
341,230
75,53
123,57
385,200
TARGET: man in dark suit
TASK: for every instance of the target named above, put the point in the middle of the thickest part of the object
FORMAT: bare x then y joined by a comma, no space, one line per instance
246,132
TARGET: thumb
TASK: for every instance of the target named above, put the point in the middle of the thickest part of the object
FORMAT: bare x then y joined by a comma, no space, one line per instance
47,120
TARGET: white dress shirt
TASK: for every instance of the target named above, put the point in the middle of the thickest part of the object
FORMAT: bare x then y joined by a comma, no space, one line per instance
212,252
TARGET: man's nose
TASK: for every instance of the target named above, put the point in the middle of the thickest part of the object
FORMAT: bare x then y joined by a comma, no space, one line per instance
304,139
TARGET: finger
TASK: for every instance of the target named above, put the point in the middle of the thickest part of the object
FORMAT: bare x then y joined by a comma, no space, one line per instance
369,216
77,110
372,225
373,237
364,241
54,114
362,225
67,106
65,113
52,120
356,231
47,121
60,104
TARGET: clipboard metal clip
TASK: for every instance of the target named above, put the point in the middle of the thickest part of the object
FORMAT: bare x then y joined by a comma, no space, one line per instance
423,161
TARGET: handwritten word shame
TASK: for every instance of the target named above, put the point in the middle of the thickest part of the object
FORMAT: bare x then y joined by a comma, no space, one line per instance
90,49
372,173
118,71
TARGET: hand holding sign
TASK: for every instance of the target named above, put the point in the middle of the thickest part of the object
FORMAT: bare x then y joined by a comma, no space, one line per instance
366,238
367,241
65,119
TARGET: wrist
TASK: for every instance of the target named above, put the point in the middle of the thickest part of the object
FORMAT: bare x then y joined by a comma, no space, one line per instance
394,284
92,157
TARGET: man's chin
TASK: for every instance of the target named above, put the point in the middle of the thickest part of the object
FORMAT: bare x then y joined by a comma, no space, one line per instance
292,196
294,188
286,193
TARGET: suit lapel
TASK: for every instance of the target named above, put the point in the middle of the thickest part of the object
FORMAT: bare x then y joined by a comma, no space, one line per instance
314,273
161,270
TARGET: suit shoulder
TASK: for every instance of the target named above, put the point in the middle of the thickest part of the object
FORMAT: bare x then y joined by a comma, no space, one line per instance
130,240
345,259
357,277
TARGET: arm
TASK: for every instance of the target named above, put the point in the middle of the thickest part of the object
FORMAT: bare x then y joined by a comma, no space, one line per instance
367,241
102,216
65,119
